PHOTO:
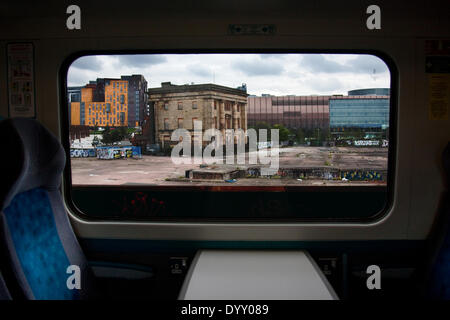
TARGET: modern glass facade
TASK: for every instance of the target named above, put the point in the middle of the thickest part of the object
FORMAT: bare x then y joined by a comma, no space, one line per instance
334,112
370,92
306,112
359,112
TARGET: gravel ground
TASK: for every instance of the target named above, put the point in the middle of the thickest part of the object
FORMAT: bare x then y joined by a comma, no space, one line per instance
155,170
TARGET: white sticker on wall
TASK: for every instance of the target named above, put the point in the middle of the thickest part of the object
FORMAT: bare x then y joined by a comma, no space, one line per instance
21,99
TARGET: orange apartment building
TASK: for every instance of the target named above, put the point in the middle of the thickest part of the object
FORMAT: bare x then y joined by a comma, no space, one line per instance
102,103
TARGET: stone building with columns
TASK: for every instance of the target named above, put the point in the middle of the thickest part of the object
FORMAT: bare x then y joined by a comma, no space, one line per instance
178,106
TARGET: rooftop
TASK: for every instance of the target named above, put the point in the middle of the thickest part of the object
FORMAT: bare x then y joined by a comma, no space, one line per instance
167,87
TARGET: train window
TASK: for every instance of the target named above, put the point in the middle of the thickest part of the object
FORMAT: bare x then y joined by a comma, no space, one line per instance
285,135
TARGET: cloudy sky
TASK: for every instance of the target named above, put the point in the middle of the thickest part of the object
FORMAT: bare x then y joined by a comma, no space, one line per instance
277,74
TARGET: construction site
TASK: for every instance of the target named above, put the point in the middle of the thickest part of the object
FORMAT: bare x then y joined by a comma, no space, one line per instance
297,165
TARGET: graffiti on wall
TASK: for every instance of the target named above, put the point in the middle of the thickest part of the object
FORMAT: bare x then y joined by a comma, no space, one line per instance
82,153
107,152
365,143
136,151
116,152
253,172
371,143
362,175
324,173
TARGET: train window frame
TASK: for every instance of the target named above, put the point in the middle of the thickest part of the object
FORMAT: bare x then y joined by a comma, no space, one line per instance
67,186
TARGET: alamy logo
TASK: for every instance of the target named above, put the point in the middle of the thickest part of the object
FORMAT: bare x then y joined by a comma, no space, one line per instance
374,280
258,152
74,20
374,20
74,280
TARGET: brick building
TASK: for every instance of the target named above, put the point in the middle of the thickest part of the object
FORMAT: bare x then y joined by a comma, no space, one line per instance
178,106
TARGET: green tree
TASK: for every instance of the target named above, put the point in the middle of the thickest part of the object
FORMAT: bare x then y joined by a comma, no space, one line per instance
324,135
107,136
115,135
300,136
124,133
283,132
95,129
261,125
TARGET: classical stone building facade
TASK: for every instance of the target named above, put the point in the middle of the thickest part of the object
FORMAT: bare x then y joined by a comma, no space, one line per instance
178,106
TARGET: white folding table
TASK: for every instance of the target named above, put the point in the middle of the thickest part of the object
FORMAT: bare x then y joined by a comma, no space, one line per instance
255,275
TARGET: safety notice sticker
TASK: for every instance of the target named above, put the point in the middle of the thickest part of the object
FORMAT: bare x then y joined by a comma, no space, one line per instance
437,67
21,80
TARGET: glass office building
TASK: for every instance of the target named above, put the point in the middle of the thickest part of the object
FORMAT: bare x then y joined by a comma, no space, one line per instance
366,112
366,109
370,92
294,112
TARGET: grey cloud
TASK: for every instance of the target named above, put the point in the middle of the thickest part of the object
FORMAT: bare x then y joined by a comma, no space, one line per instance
199,70
318,63
361,64
140,60
87,63
272,55
325,85
258,68
76,77
367,64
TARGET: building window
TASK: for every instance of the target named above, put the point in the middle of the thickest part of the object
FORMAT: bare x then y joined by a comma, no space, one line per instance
180,106
227,106
180,123
194,105
166,106
228,121
237,108
166,124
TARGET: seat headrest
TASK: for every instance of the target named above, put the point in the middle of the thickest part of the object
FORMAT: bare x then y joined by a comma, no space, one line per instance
32,158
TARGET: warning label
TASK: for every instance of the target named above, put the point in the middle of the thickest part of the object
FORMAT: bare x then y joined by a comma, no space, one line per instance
437,66
439,96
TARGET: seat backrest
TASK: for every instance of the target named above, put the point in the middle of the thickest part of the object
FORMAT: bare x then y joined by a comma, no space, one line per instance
4,292
39,244
438,286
